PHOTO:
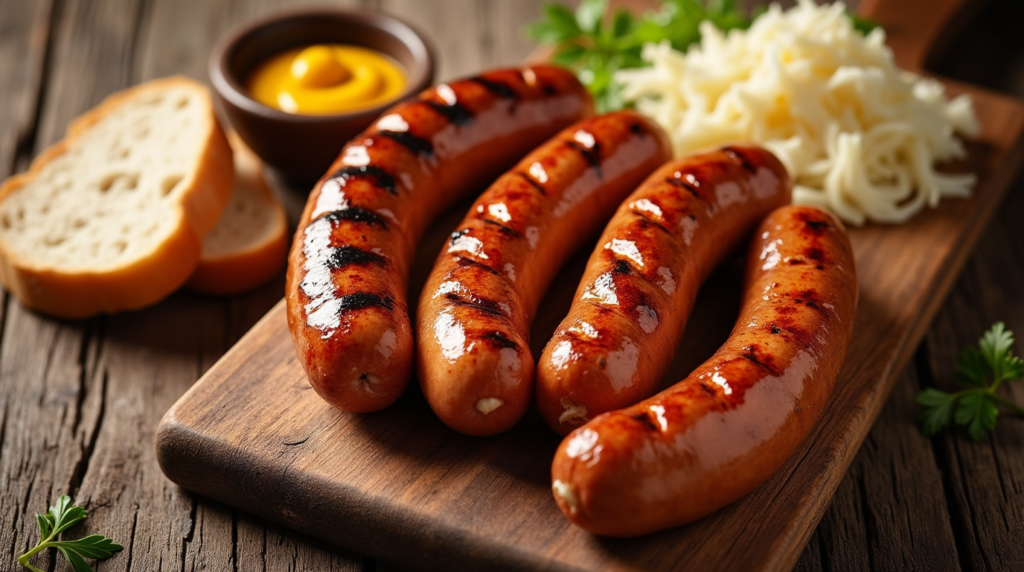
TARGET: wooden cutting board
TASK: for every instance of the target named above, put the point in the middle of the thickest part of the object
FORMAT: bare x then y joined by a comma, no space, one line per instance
400,486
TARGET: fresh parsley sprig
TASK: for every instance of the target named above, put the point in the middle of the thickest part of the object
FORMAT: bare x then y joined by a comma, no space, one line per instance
597,47
977,405
59,518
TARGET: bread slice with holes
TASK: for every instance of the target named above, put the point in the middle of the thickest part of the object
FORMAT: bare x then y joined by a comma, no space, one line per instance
113,217
248,245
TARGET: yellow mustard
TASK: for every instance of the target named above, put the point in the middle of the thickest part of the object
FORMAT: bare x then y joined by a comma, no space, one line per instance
326,79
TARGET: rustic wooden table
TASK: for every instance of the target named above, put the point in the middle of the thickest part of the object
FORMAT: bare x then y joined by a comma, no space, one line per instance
79,401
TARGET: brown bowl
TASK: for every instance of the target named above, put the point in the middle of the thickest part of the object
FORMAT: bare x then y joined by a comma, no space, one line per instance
302,147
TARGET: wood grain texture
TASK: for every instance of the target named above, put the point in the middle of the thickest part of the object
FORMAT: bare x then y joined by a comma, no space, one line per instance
884,515
985,483
435,495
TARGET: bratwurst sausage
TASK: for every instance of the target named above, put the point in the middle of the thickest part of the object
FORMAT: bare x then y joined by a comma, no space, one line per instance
722,431
473,324
617,343
349,264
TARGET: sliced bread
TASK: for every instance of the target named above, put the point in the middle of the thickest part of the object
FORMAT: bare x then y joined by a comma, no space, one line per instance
248,245
113,217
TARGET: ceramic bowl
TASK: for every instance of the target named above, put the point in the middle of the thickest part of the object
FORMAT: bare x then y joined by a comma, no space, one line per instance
302,147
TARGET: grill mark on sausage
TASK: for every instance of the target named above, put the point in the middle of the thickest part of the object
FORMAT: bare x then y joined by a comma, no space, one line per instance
499,339
457,235
807,298
349,255
495,87
356,214
456,113
533,183
708,389
361,300
740,158
766,362
816,254
773,329
507,231
685,185
812,225
417,145
592,155
482,304
642,215
380,177
622,267
463,261
646,421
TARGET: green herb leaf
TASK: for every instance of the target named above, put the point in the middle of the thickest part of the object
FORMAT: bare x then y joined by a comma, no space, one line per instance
61,516
938,412
622,24
972,369
1013,368
64,515
978,413
45,526
979,371
589,15
92,546
862,24
569,55
78,563
559,25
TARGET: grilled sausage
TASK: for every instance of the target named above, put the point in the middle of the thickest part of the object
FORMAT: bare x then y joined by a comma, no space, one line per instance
349,264
618,340
722,431
473,324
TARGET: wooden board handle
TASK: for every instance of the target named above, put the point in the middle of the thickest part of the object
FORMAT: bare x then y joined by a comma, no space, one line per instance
917,30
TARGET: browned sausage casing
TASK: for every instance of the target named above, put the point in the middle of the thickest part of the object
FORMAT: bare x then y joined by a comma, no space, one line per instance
722,431
617,342
349,264
473,324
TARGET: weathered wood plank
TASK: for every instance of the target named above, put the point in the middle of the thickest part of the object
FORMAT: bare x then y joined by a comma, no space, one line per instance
24,36
888,512
53,395
53,404
470,35
984,481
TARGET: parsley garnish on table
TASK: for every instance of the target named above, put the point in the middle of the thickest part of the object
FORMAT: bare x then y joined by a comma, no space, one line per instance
597,47
59,518
977,405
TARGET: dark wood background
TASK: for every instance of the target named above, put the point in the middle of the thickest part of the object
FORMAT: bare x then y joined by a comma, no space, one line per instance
79,401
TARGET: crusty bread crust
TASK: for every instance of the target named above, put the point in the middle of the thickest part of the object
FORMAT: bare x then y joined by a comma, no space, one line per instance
150,277
245,269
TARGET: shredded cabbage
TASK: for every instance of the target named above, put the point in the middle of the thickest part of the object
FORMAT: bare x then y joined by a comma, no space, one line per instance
858,135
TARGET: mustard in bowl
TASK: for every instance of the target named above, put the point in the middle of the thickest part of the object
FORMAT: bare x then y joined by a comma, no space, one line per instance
325,79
